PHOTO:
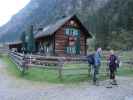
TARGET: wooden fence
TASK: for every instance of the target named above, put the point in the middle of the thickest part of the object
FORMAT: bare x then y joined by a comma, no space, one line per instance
24,62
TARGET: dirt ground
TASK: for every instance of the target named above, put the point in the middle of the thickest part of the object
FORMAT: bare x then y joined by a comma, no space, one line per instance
12,88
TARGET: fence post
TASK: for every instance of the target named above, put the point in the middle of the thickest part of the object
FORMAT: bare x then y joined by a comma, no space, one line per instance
61,64
24,65
30,58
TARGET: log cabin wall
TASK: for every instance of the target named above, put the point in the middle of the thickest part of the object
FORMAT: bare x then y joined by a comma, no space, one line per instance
83,43
61,39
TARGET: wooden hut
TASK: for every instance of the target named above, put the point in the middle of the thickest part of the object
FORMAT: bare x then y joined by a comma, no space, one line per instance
67,37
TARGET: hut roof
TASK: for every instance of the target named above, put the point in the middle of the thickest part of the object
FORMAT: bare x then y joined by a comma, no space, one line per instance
52,28
14,42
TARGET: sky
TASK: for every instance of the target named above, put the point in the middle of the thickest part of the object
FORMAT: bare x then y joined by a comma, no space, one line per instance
10,7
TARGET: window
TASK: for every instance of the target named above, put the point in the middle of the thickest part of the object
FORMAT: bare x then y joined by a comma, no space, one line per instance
71,32
71,50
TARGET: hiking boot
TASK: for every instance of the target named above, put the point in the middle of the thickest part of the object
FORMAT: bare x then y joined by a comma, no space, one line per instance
111,81
96,83
109,86
114,82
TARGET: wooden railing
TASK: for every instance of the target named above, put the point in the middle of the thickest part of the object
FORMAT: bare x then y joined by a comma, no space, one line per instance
20,60
24,62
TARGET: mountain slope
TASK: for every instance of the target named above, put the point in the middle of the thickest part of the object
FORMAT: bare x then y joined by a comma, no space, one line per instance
42,12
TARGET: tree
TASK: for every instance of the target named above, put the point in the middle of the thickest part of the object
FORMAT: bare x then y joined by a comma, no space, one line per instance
102,31
30,40
121,40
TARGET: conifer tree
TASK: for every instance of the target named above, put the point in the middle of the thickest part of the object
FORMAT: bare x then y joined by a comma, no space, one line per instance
30,40
23,39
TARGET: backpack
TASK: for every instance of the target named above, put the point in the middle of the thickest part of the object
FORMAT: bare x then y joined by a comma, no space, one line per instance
90,59
117,62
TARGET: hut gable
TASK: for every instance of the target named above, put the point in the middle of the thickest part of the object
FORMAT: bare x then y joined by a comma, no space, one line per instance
70,38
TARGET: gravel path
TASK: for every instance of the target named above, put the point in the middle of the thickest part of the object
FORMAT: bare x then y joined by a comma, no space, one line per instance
19,89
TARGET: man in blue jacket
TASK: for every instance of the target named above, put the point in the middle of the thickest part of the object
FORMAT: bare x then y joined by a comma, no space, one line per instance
97,64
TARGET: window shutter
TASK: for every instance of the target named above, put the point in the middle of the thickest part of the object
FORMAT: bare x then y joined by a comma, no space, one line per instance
78,43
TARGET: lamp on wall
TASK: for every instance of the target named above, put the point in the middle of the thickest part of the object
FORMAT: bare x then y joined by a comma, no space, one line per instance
72,22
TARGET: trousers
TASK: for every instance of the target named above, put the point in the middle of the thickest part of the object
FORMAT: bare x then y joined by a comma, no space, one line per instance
96,72
112,72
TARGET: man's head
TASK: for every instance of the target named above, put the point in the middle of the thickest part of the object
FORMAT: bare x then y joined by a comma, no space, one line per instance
99,50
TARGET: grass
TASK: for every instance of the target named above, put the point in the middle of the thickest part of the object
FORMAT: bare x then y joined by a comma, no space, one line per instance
125,71
12,68
51,76
42,75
